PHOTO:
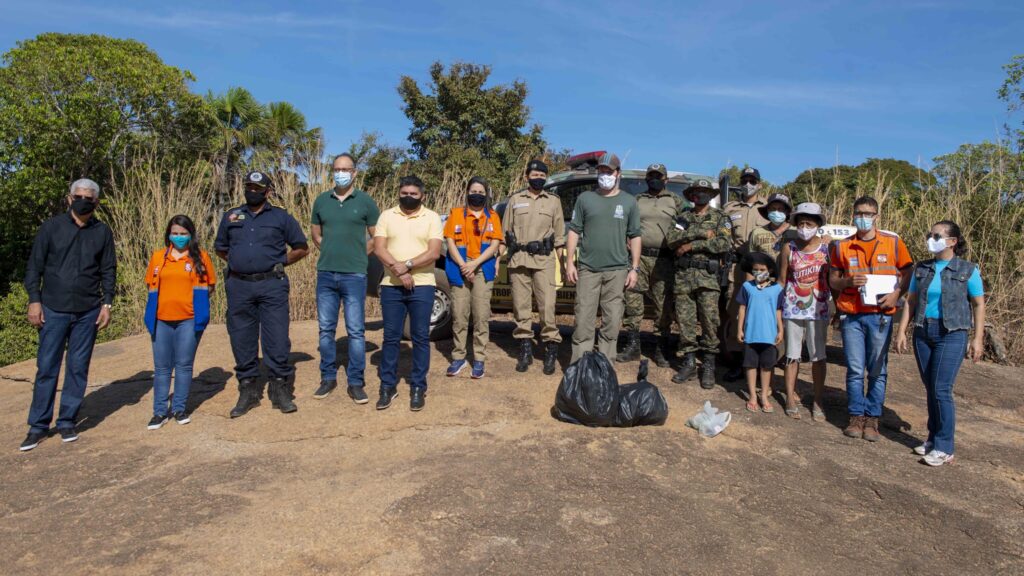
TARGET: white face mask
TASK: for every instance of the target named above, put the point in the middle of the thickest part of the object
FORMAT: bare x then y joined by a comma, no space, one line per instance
606,181
936,246
761,277
807,233
749,190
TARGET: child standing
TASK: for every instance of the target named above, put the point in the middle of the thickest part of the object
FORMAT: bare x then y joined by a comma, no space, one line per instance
760,326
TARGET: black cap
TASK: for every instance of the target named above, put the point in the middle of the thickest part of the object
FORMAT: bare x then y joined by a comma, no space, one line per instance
750,174
257,178
536,165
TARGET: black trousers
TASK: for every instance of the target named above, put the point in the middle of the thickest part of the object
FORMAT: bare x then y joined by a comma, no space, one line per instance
258,312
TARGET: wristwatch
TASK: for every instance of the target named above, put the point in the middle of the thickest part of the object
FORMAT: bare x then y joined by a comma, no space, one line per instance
635,269
408,264
108,306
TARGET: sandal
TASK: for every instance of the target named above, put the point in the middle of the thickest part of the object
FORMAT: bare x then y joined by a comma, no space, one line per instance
752,407
817,414
793,412
766,407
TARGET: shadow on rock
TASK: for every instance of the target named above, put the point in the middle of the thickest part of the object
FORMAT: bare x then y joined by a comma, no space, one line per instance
103,402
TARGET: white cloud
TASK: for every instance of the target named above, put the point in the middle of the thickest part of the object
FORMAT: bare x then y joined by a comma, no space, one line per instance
783,94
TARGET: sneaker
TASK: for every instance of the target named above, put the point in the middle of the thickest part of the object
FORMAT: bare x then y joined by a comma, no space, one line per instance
182,418
923,448
455,367
68,434
357,394
156,422
856,427
478,370
386,396
32,440
937,458
325,389
417,399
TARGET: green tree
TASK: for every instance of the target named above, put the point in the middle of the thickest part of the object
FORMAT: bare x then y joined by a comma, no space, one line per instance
377,161
239,122
1012,92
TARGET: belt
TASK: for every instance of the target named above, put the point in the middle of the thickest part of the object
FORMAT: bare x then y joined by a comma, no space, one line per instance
258,277
657,252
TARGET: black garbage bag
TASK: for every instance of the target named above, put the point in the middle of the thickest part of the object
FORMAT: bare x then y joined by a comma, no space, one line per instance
641,404
588,393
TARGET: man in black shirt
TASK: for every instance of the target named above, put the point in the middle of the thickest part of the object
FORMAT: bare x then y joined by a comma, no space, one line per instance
70,280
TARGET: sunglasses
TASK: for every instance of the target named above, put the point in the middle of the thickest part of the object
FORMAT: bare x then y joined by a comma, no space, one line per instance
934,237
86,198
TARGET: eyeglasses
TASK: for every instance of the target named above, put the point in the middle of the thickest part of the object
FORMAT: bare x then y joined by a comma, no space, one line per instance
86,198
934,237
865,214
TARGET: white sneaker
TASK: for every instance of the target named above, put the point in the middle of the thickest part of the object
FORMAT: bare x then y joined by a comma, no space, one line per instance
938,458
923,448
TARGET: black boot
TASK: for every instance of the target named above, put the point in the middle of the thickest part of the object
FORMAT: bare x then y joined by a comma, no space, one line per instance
281,395
707,371
550,357
659,352
687,370
525,355
249,394
632,350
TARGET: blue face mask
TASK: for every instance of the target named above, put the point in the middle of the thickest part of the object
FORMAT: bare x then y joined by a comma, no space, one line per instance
342,179
864,223
180,241
777,217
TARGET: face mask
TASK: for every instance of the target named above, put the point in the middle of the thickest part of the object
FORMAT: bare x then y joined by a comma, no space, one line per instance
807,233
537,183
936,246
777,217
864,223
701,198
606,181
342,179
254,198
82,207
761,276
655,185
409,202
476,200
749,190
180,241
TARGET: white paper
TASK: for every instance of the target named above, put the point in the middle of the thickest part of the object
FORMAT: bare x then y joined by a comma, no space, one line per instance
878,285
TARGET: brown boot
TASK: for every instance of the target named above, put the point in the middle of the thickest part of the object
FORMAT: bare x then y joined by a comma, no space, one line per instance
871,429
856,427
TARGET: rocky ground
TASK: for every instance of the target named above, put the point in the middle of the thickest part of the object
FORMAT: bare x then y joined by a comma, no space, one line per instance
485,481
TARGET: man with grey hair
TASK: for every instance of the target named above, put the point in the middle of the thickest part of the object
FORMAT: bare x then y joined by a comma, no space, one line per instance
70,280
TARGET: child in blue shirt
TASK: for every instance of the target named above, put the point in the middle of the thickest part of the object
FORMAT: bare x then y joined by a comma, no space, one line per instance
760,326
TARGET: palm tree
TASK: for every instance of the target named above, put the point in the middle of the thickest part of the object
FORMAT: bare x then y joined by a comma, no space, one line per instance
240,123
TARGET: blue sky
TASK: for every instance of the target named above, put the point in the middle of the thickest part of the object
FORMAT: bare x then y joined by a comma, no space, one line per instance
781,85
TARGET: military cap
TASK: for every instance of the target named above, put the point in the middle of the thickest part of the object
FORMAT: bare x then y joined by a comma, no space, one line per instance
701,184
257,178
537,165
751,174
659,168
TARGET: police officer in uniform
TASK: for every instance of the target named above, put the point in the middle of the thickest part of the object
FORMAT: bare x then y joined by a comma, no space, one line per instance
253,239
534,229
659,209
702,243
745,216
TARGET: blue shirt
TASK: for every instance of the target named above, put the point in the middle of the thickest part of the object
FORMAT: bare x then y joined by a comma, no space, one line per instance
760,325
255,243
934,309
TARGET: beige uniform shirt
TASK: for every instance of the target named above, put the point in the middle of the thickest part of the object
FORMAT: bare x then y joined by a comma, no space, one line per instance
745,218
534,218
657,216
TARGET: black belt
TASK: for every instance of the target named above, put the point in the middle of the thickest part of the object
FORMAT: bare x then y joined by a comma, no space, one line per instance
258,277
657,252
712,266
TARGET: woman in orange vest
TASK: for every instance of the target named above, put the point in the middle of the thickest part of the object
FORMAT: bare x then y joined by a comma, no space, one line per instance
180,277
473,236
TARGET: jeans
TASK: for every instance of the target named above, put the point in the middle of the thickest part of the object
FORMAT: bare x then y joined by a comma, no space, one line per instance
395,303
866,339
939,355
333,290
74,332
174,349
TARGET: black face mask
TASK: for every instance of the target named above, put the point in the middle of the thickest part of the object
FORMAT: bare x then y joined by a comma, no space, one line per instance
82,207
701,198
254,198
537,183
409,202
655,185
476,200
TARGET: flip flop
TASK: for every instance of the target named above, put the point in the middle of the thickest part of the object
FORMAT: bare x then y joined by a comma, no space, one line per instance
818,415
767,408
752,408
793,413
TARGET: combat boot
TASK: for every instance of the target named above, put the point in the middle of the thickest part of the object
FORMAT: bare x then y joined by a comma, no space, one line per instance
659,352
550,358
281,396
687,370
632,350
707,371
525,355
249,394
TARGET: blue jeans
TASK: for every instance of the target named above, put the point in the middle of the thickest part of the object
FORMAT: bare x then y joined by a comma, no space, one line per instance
74,332
395,303
334,289
939,355
866,340
174,349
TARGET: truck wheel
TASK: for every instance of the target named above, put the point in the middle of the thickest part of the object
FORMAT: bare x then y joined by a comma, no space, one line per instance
441,312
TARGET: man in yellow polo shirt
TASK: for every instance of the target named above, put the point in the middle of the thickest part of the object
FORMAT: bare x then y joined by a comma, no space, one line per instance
407,241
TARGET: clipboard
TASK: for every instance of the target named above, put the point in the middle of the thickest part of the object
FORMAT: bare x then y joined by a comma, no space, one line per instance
878,285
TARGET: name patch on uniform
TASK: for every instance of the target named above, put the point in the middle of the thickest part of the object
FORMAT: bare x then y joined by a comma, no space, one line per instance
883,258
619,213
735,216
188,266
521,205
490,227
458,229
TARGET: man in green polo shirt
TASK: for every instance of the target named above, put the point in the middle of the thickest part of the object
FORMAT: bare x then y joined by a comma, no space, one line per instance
343,221
604,222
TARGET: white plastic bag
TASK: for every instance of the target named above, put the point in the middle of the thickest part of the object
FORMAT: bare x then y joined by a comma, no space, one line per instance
709,421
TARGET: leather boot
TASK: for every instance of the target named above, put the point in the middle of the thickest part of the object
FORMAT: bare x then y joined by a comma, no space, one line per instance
525,355
281,396
687,370
248,397
550,357
707,371
659,352
632,350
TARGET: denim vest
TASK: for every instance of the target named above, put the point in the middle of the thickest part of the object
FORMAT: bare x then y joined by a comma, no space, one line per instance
955,305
